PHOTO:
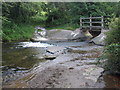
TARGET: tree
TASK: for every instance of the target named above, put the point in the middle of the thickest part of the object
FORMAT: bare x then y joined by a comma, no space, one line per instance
21,12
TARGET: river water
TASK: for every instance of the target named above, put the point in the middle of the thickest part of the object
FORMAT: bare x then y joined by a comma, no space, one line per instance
18,58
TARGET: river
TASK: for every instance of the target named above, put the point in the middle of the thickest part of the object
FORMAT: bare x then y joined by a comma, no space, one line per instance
19,58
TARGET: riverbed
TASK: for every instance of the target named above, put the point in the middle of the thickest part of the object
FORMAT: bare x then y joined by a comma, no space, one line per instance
26,59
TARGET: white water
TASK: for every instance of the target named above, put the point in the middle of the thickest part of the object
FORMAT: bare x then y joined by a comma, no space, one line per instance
34,44
50,44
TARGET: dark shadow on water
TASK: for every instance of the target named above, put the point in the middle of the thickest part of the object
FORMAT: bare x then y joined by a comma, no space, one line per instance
112,81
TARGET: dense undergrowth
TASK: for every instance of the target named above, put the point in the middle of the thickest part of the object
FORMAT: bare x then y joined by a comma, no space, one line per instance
112,48
112,53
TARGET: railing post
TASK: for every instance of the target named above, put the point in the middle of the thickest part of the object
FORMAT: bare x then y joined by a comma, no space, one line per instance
102,22
90,22
81,23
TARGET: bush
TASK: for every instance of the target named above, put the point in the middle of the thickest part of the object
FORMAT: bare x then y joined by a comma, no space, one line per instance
112,49
113,36
112,52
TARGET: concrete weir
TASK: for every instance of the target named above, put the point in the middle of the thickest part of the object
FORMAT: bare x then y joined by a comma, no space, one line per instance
69,35
61,35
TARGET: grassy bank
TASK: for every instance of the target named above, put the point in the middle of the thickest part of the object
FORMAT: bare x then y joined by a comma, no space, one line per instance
65,26
17,32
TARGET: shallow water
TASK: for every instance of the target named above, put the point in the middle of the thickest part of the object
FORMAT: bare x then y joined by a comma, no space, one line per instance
15,55
24,54
19,57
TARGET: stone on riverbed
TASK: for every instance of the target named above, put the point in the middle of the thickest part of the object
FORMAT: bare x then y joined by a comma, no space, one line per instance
55,49
50,57
53,52
47,56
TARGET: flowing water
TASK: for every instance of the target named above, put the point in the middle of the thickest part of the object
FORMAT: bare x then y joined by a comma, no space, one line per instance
19,57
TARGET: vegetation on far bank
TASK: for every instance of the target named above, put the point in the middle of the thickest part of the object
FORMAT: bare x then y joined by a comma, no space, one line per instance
65,26
20,18
17,32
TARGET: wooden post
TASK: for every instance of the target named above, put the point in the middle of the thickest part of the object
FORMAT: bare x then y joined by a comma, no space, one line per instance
102,22
90,22
81,23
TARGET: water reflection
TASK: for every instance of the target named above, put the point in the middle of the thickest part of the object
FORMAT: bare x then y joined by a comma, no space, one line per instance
21,57
112,81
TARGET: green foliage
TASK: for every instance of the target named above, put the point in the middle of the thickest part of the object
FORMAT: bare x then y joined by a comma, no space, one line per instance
6,22
112,52
55,13
112,49
69,12
113,36
62,15
21,12
17,18
18,32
